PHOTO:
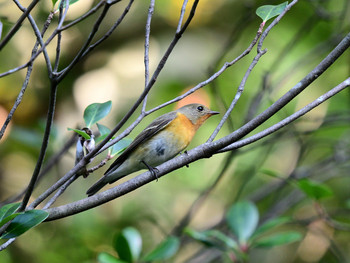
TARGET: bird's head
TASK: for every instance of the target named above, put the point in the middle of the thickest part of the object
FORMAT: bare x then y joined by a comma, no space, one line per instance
196,113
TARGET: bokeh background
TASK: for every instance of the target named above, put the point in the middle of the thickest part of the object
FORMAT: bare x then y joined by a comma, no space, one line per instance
316,146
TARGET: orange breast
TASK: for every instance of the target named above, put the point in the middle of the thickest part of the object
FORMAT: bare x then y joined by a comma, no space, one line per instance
182,128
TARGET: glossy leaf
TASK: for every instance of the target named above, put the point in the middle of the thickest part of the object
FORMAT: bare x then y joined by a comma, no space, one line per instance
120,146
108,258
95,112
81,133
313,189
128,244
7,213
117,147
243,219
165,250
8,218
278,239
267,12
103,129
24,222
8,210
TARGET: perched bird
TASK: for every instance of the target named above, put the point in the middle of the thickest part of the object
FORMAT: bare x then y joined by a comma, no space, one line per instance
163,139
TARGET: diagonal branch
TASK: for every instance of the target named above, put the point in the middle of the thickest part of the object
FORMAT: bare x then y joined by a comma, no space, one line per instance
201,151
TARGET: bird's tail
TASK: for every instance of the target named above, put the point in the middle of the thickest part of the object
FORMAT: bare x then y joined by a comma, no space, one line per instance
97,186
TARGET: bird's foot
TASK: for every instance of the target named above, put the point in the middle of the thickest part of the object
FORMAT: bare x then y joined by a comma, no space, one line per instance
186,153
152,170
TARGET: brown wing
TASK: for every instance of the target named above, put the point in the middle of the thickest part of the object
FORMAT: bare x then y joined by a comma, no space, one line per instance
152,129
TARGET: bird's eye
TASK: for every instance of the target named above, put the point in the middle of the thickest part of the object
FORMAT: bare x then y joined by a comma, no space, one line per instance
200,108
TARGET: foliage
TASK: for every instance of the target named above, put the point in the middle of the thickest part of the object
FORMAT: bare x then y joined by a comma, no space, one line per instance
267,12
20,222
128,245
242,219
282,141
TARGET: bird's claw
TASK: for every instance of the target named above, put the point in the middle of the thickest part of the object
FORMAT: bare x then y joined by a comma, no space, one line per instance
186,153
152,170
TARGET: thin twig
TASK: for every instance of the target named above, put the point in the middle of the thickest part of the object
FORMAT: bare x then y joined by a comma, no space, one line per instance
238,94
212,77
102,144
18,24
49,121
87,48
291,118
83,17
60,192
49,165
38,35
274,22
26,81
201,151
146,56
286,98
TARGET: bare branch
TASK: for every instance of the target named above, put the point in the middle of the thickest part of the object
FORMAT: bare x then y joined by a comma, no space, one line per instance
238,94
291,118
26,81
146,56
18,24
201,151
49,121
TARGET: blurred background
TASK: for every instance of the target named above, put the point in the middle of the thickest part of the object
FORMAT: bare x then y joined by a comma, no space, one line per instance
316,146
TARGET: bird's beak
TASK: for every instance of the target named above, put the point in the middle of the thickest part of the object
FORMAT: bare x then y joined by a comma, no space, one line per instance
213,112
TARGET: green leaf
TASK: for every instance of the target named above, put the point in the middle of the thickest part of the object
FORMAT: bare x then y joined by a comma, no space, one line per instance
108,258
8,218
278,239
164,250
243,219
271,224
267,12
54,2
120,146
213,238
117,147
24,222
313,189
8,210
95,112
104,131
80,132
128,244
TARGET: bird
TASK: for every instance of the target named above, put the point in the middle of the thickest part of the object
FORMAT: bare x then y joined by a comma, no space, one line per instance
163,139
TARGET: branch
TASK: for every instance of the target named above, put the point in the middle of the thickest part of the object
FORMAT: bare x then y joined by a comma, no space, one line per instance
285,99
146,56
104,144
288,120
18,24
26,81
201,151
238,94
49,164
49,121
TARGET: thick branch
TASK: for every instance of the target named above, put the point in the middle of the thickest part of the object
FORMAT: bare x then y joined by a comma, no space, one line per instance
203,150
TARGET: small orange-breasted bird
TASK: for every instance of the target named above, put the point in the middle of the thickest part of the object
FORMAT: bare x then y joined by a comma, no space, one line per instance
160,141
